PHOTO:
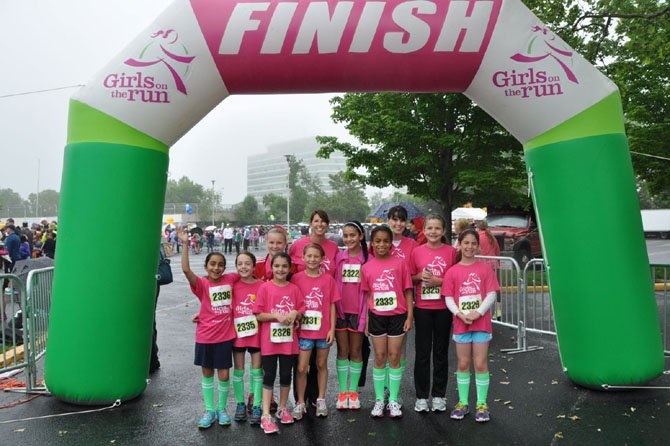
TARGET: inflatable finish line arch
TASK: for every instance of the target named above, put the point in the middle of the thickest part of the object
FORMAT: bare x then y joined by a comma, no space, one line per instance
565,112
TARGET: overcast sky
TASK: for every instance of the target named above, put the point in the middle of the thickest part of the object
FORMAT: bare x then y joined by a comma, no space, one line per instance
48,44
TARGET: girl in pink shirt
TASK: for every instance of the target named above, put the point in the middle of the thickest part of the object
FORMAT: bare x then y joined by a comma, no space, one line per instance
214,332
351,314
248,338
279,306
388,285
429,263
317,328
470,289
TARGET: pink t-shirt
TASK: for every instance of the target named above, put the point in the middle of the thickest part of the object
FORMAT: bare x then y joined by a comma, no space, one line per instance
468,285
215,320
277,339
349,271
319,293
247,327
329,247
386,281
438,261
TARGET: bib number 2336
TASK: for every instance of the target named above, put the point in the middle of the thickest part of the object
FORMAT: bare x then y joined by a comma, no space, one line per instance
220,295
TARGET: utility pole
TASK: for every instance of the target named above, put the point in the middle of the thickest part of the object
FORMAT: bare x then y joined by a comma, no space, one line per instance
288,197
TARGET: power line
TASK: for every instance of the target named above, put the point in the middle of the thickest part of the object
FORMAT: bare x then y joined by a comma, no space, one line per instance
39,91
651,156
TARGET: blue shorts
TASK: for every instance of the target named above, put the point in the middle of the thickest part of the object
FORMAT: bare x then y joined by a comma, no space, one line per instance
309,344
478,337
214,356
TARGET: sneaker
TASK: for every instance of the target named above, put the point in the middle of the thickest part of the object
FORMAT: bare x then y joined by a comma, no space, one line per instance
240,412
394,409
284,416
482,413
268,425
421,405
298,411
207,419
438,404
255,417
378,409
224,418
460,410
354,401
342,401
321,408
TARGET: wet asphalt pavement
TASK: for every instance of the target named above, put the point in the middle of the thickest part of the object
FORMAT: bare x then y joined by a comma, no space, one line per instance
531,403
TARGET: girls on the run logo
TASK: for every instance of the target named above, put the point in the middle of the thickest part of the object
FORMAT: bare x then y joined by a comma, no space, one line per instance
163,50
532,82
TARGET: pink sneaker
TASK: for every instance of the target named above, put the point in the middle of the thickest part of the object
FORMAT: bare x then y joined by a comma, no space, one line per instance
342,401
285,416
268,425
354,402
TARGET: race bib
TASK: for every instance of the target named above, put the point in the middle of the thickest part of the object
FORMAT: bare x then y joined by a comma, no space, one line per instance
311,320
468,304
246,326
430,292
385,301
280,333
351,273
220,295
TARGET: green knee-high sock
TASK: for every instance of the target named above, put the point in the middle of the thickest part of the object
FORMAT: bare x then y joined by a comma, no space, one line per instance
342,372
463,383
224,388
355,369
238,385
208,392
482,383
386,376
257,382
395,377
378,378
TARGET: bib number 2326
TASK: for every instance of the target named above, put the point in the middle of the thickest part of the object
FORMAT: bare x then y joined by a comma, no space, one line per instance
280,333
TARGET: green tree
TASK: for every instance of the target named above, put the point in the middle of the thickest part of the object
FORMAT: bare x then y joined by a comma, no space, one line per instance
48,202
184,191
276,206
246,212
304,187
11,202
439,146
346,202
209,207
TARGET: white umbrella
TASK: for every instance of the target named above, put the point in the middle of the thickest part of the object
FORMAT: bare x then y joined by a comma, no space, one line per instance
210,228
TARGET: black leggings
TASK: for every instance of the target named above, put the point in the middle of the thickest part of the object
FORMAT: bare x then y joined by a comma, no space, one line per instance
286,363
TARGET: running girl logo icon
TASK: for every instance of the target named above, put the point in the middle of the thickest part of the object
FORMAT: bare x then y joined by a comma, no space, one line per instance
314,299
385,281
437,266
285,306
472,284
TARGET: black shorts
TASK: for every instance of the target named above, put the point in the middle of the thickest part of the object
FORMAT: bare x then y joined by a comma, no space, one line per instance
392,325
349,323
251,350
214,356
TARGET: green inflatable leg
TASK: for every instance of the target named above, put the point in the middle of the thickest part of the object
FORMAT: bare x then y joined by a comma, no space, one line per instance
104,285
604,306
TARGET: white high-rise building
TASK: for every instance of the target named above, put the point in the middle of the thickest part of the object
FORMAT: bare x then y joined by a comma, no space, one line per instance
268,172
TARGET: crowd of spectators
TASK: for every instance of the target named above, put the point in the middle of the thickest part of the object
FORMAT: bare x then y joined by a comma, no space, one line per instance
26,241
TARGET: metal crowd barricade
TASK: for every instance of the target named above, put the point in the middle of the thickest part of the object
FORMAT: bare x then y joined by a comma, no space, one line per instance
509,311
13,355
539,309
660,275
35,303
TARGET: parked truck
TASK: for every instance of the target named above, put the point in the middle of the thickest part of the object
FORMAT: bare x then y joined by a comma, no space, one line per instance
517,234
656,223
